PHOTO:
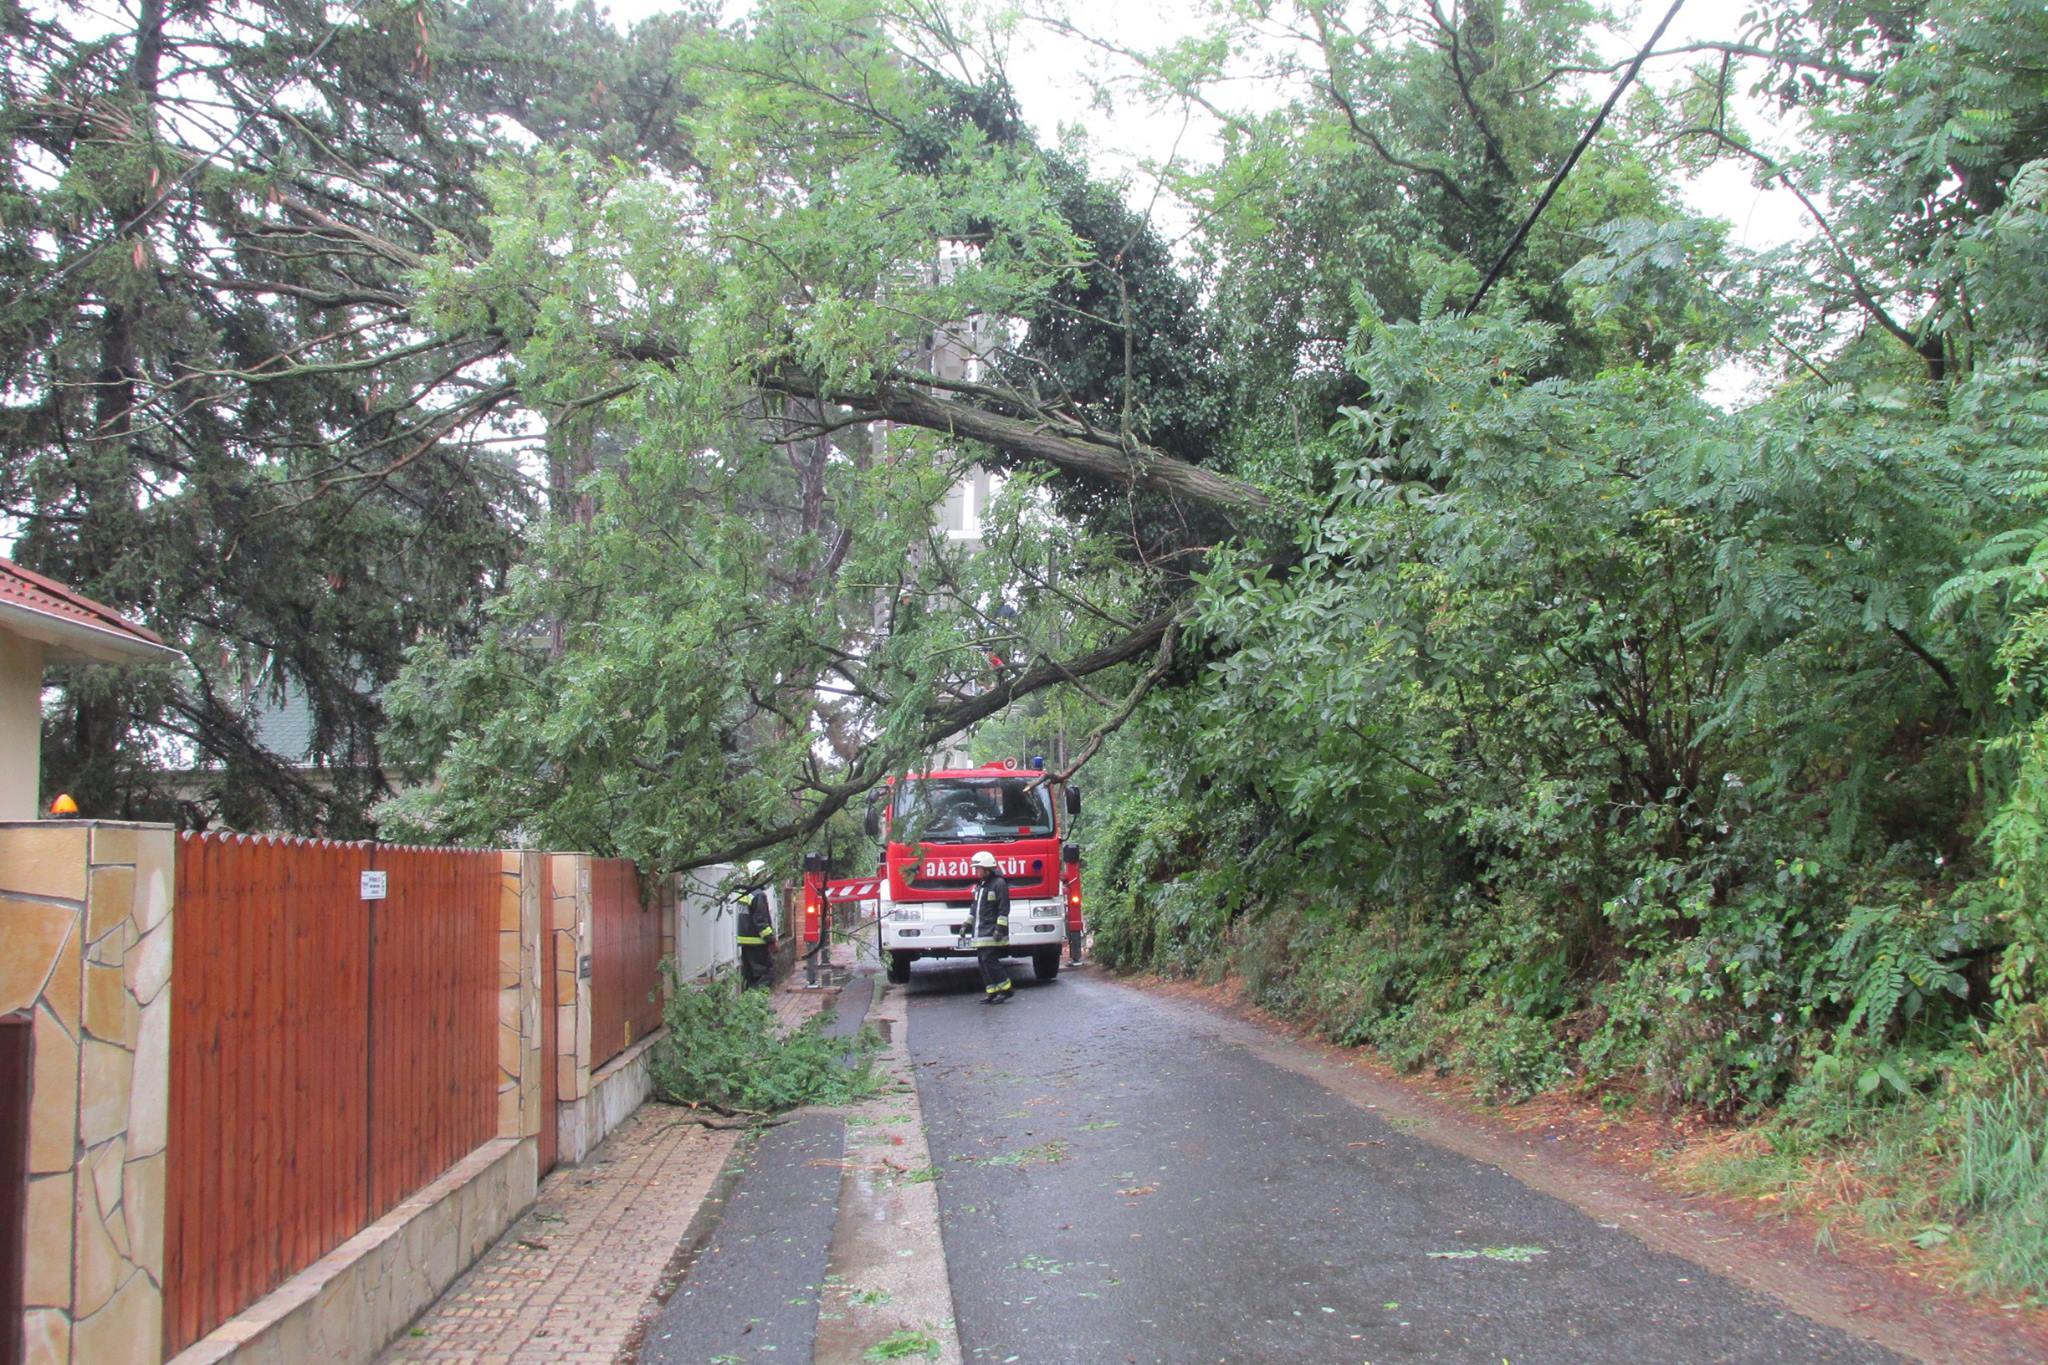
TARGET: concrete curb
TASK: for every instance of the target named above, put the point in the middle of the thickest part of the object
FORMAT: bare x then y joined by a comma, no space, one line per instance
888,1263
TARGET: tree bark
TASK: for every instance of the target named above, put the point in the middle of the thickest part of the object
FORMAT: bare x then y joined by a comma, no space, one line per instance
1135,466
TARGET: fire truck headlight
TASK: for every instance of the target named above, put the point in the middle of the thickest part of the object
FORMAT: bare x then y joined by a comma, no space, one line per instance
902,912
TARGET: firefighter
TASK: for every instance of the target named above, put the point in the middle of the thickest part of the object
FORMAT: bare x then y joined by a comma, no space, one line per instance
757,927
991,927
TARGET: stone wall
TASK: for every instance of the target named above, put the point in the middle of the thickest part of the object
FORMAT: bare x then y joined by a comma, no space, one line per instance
668,906
588,1106
85,945
621,1086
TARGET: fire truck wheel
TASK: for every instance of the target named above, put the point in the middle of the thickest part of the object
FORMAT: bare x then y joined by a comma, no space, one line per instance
1045,962
899,968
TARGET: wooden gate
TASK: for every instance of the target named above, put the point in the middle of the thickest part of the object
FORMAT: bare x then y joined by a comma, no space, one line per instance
17,1070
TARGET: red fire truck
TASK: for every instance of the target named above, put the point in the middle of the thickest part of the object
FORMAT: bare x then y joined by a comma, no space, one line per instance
931,824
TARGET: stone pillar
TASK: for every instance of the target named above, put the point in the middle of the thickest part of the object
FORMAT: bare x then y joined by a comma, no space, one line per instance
570,923
668,904
519,957
85,945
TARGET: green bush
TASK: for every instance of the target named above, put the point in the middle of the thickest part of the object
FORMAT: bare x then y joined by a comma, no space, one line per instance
1514,1057
725,1047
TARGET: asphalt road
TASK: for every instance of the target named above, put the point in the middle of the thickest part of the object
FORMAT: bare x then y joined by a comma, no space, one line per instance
752,1291
1121,1182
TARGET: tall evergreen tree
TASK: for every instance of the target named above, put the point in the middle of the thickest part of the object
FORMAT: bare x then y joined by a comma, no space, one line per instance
225,414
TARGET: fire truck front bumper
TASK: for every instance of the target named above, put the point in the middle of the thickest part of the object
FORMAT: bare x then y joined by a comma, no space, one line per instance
946,932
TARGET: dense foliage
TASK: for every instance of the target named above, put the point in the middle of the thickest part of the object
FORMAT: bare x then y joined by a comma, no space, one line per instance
1511,706
1680,753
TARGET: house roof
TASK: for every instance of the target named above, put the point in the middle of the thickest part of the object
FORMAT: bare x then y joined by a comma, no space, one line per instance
71,625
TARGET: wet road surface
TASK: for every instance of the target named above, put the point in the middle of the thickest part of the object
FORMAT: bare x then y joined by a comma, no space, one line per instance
755,1287
1122,1182
753,1290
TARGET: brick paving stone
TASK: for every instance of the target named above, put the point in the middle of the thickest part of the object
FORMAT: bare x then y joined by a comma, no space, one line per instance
570,1280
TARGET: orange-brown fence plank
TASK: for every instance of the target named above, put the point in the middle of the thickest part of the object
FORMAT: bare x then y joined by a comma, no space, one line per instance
434,1021
625,959
267,1035
329,1055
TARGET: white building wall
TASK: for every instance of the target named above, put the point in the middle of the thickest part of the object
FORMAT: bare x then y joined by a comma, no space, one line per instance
707,921
21,725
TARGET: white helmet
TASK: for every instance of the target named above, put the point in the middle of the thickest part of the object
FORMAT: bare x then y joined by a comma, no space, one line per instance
983,861
755,868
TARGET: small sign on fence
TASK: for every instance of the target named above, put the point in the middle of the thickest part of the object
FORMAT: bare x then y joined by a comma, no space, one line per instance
373,886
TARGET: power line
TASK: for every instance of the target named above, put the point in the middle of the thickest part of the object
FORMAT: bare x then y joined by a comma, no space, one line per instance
1585,141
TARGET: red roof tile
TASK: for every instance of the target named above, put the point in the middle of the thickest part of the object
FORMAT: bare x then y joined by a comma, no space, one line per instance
27,588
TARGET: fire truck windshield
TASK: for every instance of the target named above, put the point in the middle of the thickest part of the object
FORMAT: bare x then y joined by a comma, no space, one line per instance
972,808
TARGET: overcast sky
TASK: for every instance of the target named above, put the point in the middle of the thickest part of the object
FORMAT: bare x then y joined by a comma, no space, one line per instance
1051,71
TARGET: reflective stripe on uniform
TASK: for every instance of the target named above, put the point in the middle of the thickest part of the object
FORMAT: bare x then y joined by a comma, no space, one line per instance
751,941
989,942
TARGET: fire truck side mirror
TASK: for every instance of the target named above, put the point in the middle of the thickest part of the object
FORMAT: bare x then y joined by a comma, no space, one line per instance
1073,800
873,823
1071,855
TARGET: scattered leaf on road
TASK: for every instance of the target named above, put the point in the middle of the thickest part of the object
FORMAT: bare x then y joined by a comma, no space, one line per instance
1514,1255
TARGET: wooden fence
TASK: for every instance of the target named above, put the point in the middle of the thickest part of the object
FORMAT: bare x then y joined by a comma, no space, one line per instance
433,1015
625,959
329,1053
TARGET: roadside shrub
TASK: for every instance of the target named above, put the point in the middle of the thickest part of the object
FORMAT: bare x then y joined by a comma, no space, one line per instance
1513,1056
1141,844
1412,1037
1189,921
725,1047
1260,952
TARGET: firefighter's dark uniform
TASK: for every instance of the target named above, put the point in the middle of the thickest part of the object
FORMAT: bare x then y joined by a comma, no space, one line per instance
757,938
992,933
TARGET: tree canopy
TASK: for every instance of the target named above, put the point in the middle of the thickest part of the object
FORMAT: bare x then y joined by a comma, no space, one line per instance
226,415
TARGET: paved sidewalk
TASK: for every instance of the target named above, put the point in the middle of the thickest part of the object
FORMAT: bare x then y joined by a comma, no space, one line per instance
567,1283
570,1280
